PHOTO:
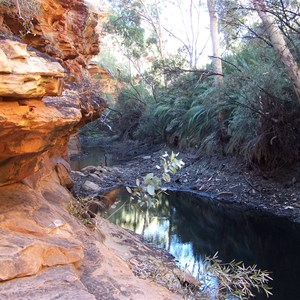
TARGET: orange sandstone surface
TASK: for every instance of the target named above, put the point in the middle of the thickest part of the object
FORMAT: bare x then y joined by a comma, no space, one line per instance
64,29
45,253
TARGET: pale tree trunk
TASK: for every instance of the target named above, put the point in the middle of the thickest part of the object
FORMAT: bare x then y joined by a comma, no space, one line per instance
157,28
190,28
214,32
217,66
279,44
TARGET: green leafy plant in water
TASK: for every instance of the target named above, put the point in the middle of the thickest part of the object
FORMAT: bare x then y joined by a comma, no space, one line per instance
236,279
149,190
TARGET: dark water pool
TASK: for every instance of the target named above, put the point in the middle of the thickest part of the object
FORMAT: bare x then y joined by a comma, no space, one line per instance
92,156
191,227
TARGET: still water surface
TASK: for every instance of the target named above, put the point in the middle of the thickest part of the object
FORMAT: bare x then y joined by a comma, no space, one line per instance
191,227
92,156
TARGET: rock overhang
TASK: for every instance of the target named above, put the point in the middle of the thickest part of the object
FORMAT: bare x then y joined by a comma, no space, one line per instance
24,75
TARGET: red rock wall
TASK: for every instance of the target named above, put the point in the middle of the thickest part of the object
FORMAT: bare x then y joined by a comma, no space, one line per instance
64,29
37,115
109,85
45,253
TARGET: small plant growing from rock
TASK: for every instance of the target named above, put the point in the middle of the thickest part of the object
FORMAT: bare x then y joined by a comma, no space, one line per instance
149,189
78,208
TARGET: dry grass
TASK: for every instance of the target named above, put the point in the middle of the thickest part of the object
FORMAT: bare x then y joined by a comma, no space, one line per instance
78,208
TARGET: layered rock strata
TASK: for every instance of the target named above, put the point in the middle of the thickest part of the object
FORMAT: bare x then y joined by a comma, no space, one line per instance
34,123
46,253
63,29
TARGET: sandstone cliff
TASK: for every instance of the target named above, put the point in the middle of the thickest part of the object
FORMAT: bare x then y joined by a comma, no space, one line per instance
45,253
109,85
36,116
63,29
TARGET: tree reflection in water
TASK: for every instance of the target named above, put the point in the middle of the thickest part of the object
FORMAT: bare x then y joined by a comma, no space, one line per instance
190,228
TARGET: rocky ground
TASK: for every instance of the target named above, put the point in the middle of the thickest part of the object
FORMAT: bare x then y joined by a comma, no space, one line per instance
223,178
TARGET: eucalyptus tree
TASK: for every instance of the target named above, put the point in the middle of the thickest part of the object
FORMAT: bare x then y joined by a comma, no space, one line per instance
215,38
137,24
278,42
166,25
189,16
280,21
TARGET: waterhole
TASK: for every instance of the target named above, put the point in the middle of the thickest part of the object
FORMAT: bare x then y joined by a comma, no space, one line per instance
191,227
92,156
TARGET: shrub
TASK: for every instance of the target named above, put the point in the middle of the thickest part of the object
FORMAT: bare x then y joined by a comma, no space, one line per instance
236,279
129,109
149,189
175,117
264,113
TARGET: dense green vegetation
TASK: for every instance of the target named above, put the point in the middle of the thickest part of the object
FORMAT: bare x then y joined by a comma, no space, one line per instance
179,103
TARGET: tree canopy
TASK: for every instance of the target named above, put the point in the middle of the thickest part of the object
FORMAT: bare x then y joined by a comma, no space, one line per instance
181,102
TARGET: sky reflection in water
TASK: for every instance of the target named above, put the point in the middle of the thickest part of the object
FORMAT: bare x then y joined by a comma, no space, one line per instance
191,228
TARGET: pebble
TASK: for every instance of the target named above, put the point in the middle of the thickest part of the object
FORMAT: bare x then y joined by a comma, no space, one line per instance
288,207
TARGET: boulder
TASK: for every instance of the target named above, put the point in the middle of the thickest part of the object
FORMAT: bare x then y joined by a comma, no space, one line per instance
91,186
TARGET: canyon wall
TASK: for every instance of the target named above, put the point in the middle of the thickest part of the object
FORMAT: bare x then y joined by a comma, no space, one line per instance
45,96
62,29
39,109
41,99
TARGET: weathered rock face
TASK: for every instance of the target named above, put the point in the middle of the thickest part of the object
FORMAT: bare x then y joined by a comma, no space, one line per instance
64,29
51,255
45,253
59,282
27,127
25,75
109,85
31,125
33,234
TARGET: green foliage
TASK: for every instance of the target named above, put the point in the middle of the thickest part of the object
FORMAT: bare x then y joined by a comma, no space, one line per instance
130,106
163,71
262,110
232,19
126,22
149,189
263,122
236,279
116,68
184,109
